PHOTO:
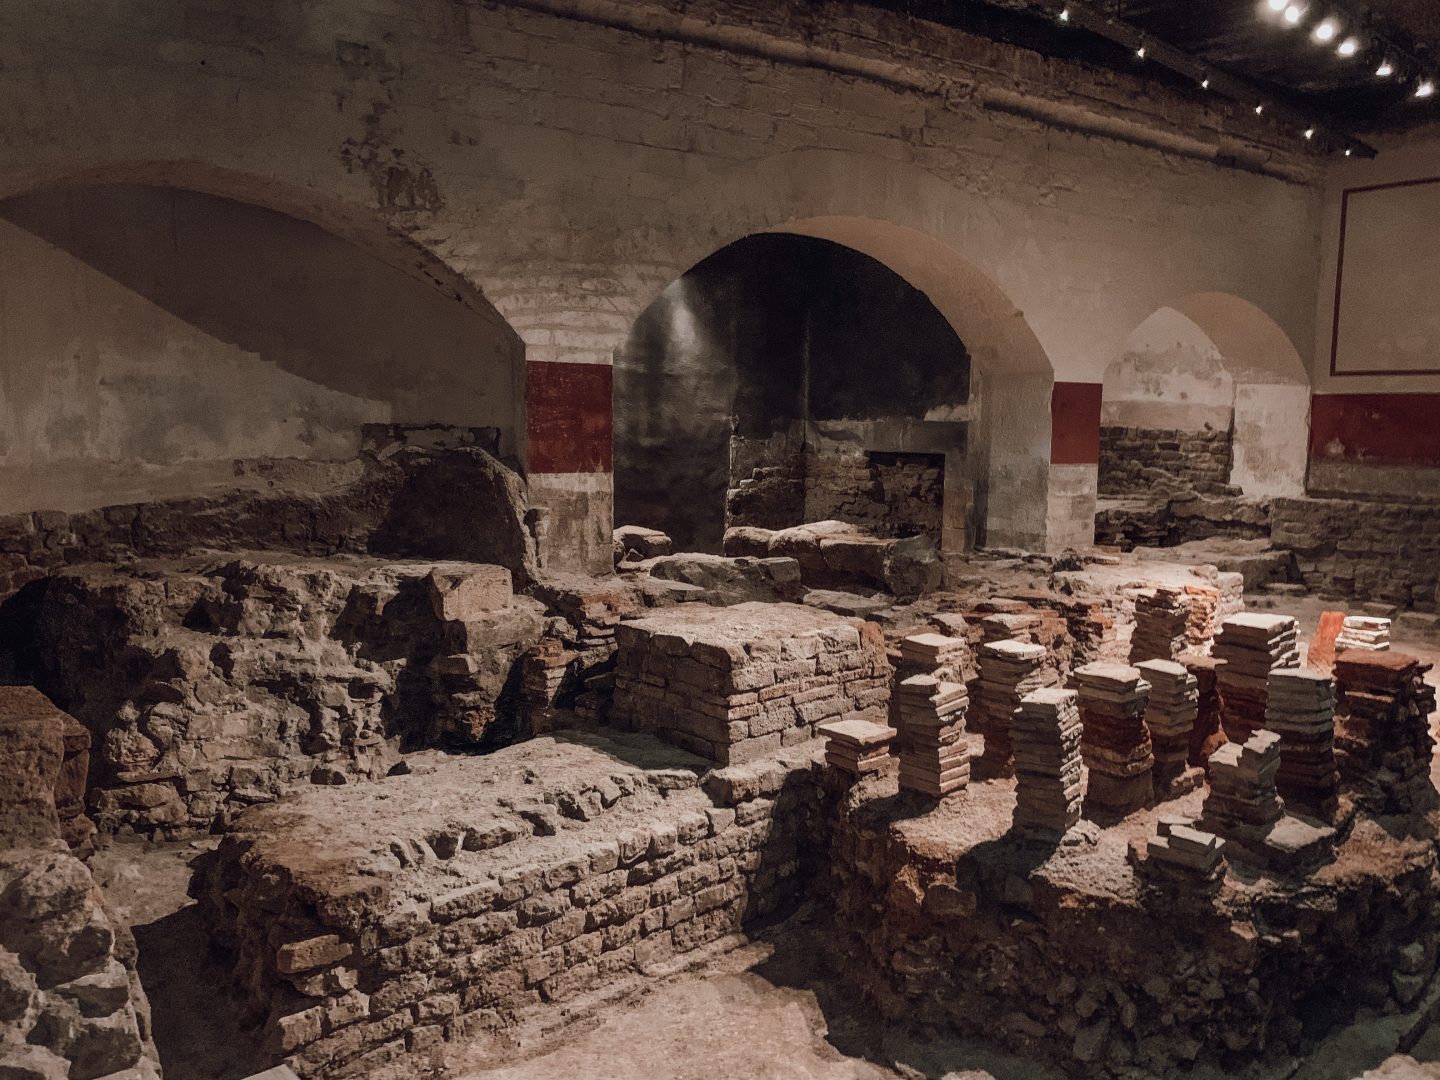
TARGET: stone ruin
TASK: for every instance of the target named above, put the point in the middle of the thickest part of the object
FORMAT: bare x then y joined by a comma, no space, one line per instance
454,807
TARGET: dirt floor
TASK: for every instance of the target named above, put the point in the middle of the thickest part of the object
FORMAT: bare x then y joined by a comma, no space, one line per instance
769,1010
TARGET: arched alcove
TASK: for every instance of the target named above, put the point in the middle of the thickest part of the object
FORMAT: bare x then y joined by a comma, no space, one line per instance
150,336
1210,391
787,378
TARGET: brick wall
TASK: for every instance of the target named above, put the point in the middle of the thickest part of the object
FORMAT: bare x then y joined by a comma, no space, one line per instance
1134,460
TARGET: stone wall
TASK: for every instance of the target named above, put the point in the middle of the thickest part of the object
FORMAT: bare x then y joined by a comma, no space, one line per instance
369,926
71,1006
1366,549
890,494
1138,460
404,496
212,684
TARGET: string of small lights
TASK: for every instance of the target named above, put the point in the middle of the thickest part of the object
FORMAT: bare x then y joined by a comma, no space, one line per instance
1329,24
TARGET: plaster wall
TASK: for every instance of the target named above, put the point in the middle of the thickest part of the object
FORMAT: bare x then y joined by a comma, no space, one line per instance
150,337
570,168
1171,378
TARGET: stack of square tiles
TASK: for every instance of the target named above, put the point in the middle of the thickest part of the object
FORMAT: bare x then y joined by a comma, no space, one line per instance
1301,709
1116,744
1243,802
1008,671
857,747
1252,646
934,754
1162,620
1170,715
1049,775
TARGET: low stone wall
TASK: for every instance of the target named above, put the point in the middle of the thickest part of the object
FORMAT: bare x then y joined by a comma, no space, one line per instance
370,926
888,494
1366,549
1135,460
733,684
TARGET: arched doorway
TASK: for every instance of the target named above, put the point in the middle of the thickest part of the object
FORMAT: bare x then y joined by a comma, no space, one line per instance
1211,394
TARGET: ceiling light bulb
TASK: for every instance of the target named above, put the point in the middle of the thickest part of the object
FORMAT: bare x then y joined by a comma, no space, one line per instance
1277,5
1348,151
1385,70
1309,133
1293,13
1349,47
1259,109
1326,30
1425,89
1065,14
1204,84
1140,52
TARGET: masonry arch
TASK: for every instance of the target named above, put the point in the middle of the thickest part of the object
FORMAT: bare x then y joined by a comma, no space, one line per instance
1220,385
179,318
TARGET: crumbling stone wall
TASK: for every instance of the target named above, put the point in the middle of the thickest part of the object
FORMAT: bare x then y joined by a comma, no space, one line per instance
71,1005
889,494
441,497
1136,460
1369,549
212,684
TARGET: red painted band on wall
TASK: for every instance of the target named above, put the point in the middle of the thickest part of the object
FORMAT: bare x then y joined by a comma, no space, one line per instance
1075,423
568,417
1382,429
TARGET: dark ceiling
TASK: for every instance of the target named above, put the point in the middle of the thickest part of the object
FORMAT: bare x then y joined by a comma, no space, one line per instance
1246,39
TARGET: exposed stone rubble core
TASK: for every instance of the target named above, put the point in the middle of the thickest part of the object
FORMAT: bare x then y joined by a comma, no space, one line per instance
1382,730
1049,775
1300,707
373,923
71,1005
1116,745
1252,645
934,752
1067,953
732,684
396,500
213,683
1136,460
1009,670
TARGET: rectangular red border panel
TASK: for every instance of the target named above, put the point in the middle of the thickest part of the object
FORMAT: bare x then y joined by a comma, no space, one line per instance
1075,423
1340,279
1382,429
568,417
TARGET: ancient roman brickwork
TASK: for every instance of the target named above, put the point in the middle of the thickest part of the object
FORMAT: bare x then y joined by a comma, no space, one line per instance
212,684
371,925
889,494
1386,551
733,684
1138,460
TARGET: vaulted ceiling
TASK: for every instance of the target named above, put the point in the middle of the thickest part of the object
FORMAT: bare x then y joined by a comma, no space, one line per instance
1246,39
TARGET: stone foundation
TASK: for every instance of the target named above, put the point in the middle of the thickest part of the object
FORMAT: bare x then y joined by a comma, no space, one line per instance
371,925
